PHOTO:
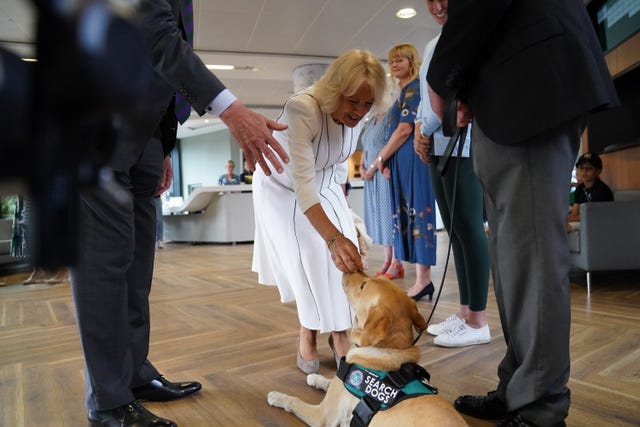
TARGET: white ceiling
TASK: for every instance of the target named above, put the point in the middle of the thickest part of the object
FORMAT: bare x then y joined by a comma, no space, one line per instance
274,36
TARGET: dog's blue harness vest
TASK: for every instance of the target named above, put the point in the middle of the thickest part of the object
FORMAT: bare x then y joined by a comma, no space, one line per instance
380,390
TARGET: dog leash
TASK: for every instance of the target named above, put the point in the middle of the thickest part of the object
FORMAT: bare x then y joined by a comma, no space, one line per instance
458,136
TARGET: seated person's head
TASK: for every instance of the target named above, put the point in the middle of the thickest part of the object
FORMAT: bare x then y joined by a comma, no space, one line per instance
588,166
230,166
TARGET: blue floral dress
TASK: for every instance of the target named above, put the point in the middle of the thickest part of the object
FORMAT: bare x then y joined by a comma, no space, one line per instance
412,198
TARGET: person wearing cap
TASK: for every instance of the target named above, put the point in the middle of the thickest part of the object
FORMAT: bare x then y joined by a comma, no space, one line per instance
590,189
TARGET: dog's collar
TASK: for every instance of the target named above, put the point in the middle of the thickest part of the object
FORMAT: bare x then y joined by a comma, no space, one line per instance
380,390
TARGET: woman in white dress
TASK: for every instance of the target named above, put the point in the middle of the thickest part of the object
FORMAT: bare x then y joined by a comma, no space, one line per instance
305,237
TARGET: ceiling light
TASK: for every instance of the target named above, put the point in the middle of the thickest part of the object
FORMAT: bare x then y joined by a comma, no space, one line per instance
220,67
406,13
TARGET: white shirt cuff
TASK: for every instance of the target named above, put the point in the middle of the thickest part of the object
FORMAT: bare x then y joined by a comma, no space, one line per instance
221,102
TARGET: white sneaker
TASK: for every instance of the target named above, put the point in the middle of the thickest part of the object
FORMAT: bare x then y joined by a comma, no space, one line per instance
450,323
463,335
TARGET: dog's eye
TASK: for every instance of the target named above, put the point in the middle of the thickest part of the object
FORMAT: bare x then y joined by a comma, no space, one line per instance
362,285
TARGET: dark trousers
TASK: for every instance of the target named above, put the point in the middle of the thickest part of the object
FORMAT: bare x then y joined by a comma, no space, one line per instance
526,195
468,239
112,280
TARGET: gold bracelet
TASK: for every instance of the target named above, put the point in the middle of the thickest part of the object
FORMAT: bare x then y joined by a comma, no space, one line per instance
332,239
372,166
380,159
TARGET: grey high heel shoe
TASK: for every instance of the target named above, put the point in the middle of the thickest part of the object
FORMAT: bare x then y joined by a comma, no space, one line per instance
333,350
307,366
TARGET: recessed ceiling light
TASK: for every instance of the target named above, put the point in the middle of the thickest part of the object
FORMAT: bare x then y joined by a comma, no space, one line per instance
406,13
220,67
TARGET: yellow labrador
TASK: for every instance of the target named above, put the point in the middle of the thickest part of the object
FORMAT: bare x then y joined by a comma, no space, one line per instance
382,341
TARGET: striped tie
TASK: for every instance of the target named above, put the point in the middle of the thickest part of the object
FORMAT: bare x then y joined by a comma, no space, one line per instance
183,108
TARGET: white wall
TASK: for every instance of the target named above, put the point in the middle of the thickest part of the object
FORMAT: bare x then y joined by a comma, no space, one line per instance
204,158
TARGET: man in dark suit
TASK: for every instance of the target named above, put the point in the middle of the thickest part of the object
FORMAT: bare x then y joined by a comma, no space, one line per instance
112,280
528,73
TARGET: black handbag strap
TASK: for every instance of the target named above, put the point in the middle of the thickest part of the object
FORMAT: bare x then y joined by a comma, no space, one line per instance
449,128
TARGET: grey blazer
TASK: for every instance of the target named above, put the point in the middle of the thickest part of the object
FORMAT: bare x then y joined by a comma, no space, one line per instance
524,66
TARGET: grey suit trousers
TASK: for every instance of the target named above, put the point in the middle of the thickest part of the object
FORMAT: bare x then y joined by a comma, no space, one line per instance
112,280
526,195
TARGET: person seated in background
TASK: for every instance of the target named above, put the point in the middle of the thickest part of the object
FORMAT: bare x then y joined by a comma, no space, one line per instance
229,178
590,189
246,177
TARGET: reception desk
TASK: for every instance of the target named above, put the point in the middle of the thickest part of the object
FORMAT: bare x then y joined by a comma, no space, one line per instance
224,214
215,214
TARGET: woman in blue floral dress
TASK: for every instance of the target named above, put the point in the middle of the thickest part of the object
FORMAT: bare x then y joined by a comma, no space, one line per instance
412,198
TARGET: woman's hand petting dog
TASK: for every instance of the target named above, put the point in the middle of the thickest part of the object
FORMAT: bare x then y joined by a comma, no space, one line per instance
345,255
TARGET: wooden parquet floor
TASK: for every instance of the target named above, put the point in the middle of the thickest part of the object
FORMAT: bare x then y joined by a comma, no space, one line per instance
213,323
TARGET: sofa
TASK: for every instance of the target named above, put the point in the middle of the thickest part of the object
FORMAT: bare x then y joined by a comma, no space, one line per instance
608,238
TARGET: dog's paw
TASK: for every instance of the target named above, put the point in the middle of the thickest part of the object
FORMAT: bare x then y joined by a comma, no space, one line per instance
278,400
312,380
318,381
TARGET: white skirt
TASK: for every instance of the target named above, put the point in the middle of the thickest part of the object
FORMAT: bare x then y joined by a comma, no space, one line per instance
290,254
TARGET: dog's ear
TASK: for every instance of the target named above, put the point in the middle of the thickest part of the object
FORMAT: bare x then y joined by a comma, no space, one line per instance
418,320
377,326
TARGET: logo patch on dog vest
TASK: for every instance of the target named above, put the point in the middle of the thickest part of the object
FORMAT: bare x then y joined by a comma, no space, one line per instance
371,383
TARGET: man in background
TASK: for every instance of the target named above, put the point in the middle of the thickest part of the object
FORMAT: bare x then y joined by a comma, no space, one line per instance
528,73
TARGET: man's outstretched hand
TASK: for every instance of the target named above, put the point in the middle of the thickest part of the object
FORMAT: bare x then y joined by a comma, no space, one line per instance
253,133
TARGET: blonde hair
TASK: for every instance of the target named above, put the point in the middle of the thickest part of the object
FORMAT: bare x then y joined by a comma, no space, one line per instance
346,74
409,51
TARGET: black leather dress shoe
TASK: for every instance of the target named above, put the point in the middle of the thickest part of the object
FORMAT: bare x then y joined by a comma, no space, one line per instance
162,390
130,415
488,407
513,419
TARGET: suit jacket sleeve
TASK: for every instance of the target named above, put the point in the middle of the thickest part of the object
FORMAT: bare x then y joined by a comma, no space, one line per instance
465,36
173,59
